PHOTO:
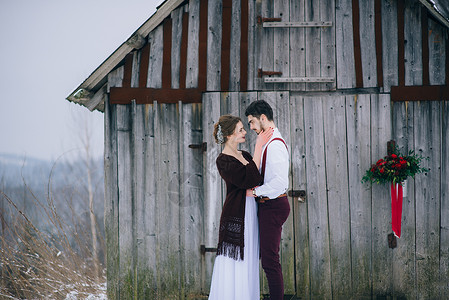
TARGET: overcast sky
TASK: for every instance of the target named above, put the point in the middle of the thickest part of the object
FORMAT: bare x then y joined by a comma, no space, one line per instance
48,48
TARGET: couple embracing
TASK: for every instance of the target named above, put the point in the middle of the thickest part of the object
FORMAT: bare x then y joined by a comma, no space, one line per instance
255,207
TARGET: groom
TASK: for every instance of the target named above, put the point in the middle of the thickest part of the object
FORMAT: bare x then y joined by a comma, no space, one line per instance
271,195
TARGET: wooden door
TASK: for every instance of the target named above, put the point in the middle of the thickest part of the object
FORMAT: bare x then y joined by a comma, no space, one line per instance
235,103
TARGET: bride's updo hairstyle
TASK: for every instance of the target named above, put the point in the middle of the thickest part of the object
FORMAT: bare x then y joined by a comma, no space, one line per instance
224,128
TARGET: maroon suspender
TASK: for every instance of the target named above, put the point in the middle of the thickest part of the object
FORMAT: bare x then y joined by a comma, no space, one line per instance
264,157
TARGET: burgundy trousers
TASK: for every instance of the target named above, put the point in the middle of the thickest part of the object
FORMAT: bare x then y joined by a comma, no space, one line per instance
272,214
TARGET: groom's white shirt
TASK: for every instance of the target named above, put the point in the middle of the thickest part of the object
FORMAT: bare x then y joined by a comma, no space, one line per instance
276,169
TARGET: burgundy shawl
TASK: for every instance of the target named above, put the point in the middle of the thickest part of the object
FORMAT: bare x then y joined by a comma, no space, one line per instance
238,178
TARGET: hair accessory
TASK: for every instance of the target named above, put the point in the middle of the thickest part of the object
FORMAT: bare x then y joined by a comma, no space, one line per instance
220,138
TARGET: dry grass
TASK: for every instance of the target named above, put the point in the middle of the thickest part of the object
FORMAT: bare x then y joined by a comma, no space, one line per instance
40,265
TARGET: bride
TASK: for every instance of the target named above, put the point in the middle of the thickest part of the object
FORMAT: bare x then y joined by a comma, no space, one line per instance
236,268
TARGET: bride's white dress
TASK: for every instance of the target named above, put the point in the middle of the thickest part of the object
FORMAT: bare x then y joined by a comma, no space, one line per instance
239,280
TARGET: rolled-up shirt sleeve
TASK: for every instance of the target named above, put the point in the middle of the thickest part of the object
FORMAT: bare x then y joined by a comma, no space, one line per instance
276,171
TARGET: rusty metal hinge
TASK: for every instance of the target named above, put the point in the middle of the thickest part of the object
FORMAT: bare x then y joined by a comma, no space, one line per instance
261,20
203,249
261,73
202,146
300,194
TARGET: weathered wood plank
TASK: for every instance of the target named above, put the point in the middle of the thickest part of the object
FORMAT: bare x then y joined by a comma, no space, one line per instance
212,184
281,38
299,208
176,16
327,60
413,45
382,256
149,278
281,113
167,172
368,43
126,203
389,43
234,68
437,47
344,45
428,201
337,194
214,45
193,44
252,26
313,43
444,214
297,45
111,201
155,64
358,111
244,100
264,43
320,272
403,256
191,198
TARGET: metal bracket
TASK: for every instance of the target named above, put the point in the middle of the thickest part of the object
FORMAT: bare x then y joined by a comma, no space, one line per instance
202,146
261,20
203,249
300,194
261,73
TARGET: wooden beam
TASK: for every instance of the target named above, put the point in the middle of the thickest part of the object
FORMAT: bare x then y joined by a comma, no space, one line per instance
143,68
298,24
420,93
244,45
127,70
356,41
226,44
124,95
378,35
202,53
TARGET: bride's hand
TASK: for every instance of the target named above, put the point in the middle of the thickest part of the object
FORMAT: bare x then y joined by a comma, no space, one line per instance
264,137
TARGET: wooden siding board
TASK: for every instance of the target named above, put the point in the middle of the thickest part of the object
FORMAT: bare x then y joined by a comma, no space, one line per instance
327,13
184,46
368,43
138,190
297,45
111,202
444,214
299,209
126,203
356,40
320,272
252,52
413,45
265,50
358,111
336,163
244,44
234,50
281,36
344,45
191,197
245,99
168,230
404,255
427,193
214,45
212,184
381,201
437,48
287,248
155,63
177,18
193,44
313,43
389,43
150,206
